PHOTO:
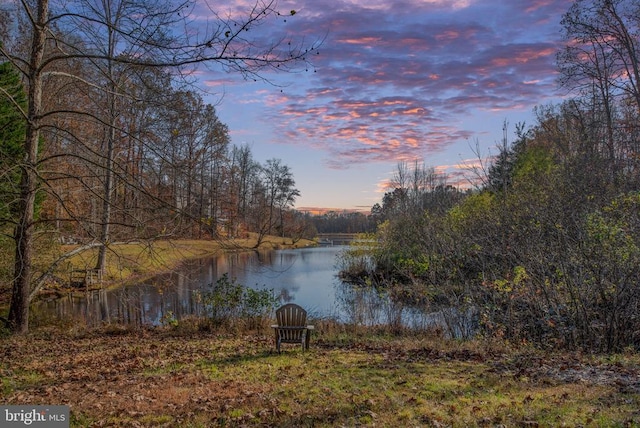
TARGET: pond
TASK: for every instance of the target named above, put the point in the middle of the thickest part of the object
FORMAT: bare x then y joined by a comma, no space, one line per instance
305,276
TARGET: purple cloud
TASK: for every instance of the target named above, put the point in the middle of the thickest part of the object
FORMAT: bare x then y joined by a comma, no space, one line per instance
396,80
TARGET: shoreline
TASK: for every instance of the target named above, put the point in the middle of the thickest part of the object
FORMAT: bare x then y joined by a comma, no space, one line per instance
131,263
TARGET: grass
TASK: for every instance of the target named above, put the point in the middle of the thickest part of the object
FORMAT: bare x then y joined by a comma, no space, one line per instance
127,263
185,376
135,261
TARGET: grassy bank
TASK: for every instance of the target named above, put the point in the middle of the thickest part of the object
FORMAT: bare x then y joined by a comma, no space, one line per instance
190,377
131,262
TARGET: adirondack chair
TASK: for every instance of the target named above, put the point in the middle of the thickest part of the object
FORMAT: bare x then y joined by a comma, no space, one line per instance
292,326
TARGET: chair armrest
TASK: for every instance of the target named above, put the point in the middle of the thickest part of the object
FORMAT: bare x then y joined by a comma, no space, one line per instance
310,327
274,326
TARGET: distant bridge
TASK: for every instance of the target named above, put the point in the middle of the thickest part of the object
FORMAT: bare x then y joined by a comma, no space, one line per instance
337,238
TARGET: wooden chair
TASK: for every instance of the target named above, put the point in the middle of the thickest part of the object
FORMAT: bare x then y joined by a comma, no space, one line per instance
292,326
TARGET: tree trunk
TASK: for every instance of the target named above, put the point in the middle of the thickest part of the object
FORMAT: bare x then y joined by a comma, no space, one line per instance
19,307
106,202
110,137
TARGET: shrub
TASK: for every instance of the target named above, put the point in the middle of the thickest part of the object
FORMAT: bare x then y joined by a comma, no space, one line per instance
229,301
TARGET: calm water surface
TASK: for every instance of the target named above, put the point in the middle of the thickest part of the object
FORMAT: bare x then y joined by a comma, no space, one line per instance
303,276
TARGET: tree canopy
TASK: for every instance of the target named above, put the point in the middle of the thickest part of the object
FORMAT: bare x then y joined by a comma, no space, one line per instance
112,133
547,249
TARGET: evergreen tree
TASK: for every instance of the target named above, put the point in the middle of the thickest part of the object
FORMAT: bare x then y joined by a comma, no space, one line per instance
13,104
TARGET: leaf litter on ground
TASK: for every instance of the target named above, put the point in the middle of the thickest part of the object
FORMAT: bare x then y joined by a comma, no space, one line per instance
169,377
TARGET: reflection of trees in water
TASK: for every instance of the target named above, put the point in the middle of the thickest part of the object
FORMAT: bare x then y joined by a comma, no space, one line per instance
274,264
286,296
264,263
143,304
267,266
103,304
155,304
177,294
128,306
363,305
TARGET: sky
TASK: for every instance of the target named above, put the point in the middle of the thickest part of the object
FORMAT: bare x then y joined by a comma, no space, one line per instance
432,81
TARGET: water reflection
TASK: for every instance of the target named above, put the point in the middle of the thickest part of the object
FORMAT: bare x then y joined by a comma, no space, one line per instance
307,277
304,276
368,306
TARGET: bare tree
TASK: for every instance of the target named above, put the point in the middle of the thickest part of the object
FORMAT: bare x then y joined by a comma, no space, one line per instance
280,192
603,47
602,61
241,170
159,35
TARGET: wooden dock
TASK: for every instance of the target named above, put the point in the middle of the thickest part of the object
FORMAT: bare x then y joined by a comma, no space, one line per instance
84,277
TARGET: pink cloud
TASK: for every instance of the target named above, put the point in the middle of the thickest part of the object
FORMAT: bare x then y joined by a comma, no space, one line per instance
394,80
